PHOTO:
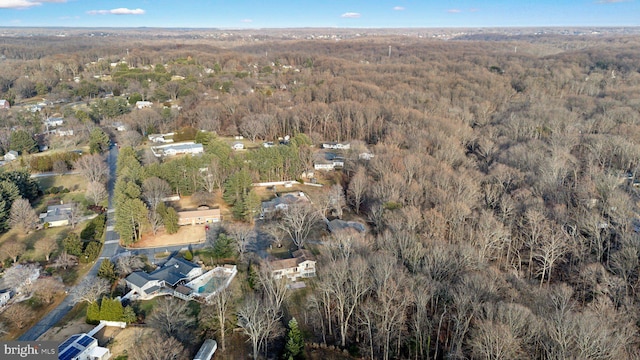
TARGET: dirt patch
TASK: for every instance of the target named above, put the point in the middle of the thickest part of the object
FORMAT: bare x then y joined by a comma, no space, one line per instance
61,333
126,338
189,234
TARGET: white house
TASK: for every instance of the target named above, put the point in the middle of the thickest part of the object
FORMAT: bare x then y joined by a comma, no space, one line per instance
178,149
143,104
336,146
57,215
11,155
53,121
64,132
142,284
4,104
302,265
82,347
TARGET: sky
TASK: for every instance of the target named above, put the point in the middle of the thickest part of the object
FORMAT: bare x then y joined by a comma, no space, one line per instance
252,14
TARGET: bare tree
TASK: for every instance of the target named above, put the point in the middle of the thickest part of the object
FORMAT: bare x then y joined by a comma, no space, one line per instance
203,198
60,167
253,126
47,289
217,312
332,201
172,318
22,215
157,347
259,321
154,190
155,221
12,250
46,247
552,248
275,290
243,235
128,264
89,289
357,188
64,260
18,277
346,283
74,215
93,168
297,221
96,192
19,315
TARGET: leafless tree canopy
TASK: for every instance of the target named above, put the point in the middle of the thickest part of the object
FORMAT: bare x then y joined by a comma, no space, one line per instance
23,216
93,168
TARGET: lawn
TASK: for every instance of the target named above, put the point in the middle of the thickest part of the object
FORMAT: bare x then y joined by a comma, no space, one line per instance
30,240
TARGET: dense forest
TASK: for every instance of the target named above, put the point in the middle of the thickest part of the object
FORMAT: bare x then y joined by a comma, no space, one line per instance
501,200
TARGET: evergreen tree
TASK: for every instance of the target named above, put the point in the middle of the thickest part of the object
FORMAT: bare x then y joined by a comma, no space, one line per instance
92,251
98,141
295,343
107,270
72,244
129,315
170,220
93,313
22,142
223,247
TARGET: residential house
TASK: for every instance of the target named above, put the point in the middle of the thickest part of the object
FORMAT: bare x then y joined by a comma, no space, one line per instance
174,272
336,146
161,138
178,149
11,155
328,161
207,350
82,347
24,274
119,126
143,104
5,296
57,215
64,132
302,265
4,104
282,202
142,284
53,122
201,216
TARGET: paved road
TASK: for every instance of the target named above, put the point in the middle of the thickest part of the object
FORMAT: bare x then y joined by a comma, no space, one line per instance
109,249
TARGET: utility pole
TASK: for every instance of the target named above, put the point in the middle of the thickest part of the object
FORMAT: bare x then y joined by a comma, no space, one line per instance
389,50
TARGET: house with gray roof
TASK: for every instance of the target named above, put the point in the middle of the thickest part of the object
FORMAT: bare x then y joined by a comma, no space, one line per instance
172,273
57,215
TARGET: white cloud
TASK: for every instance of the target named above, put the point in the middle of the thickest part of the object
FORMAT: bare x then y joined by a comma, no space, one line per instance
24,4
118,11
246,20
454,11
350,15
398,8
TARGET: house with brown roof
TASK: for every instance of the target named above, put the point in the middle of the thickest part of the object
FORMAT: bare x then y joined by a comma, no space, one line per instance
302,265
200,216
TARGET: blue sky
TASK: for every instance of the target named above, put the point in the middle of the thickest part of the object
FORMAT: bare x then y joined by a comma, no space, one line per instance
230,14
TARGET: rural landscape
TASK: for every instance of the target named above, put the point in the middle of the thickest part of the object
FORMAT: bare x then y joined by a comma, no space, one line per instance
321,193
